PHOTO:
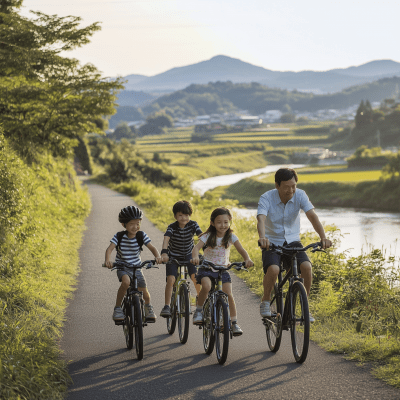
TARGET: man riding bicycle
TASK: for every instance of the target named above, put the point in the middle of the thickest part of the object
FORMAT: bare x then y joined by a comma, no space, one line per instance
278,222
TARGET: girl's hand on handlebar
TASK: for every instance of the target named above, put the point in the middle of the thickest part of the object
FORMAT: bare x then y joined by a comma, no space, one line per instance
195,260
108,264
248,263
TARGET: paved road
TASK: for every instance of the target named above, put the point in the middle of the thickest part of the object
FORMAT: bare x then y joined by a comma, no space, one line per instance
102,368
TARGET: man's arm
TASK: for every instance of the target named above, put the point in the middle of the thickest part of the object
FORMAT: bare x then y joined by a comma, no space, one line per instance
264,242
316,223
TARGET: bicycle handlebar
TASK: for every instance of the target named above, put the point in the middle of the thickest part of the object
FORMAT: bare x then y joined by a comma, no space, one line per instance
283,249
238,265
120,265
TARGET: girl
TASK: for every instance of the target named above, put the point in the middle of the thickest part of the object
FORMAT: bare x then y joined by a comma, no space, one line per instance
218,238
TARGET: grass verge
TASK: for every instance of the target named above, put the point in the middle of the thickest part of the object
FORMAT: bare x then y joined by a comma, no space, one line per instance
42,215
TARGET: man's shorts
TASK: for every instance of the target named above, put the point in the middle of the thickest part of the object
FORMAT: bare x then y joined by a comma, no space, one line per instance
129,271
172,267
202,273
271,258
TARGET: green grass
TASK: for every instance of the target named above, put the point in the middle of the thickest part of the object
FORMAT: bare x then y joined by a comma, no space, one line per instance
342,176
38,264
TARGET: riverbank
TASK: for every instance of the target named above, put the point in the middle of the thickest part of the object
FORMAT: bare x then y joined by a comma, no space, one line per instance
378,195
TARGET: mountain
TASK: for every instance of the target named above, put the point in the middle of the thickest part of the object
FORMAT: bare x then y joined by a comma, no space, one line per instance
223,68
133,80
134,98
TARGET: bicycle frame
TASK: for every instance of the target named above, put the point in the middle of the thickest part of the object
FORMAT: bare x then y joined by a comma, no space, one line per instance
291,276
212,298
180,280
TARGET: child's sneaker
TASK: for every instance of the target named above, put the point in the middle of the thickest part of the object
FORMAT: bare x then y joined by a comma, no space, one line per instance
149,315
198,317
236,329
165,312
118,314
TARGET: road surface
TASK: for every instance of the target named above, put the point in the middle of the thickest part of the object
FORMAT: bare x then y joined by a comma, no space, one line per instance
102,368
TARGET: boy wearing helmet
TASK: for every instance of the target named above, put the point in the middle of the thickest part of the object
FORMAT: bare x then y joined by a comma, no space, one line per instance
128,252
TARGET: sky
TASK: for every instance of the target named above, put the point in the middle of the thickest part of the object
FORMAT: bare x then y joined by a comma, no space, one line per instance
148,37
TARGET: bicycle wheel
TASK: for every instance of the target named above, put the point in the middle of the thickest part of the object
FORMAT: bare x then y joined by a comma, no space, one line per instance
138,327
208,329
128,324
222,331
183,314
300,323
273,324
171,321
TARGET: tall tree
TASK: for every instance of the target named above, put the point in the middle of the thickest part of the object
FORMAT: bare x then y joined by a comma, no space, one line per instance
48,101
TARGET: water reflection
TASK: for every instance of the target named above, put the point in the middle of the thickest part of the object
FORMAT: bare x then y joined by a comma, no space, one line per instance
361,229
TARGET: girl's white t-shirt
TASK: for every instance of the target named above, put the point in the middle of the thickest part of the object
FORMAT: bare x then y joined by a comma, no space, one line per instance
218,255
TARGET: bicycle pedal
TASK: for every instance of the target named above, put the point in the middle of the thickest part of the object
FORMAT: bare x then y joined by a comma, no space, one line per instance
150,321
119,322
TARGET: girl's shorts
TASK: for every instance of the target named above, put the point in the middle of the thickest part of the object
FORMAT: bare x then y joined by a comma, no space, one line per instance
172,267
129,271
202,273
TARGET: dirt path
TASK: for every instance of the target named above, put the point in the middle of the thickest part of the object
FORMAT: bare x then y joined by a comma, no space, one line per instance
102,368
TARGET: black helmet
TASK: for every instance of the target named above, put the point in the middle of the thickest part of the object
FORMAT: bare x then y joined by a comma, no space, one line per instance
129,213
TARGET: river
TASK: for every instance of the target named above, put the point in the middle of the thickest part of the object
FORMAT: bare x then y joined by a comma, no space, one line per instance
361,229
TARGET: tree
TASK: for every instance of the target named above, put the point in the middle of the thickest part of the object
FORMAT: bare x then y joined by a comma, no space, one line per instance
288,118
123,131
161,120
48,101
364,114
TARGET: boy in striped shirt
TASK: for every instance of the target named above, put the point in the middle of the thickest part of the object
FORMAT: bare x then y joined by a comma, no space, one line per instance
128,253
178,243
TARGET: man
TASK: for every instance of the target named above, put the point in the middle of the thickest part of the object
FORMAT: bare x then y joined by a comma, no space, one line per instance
278,222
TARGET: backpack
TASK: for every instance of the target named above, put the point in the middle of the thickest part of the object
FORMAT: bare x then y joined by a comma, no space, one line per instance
139,237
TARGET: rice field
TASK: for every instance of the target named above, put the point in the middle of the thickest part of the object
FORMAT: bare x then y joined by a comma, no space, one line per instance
340,176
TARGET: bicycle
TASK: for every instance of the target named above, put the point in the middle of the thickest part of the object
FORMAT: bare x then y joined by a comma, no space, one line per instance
216,319
294,314
133,308
180,303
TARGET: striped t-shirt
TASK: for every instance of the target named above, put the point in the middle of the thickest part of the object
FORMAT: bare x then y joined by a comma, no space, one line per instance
130,250
181,239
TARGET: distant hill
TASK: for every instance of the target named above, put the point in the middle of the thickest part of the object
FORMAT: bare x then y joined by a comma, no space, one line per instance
223,97
223,68
133,80
134,98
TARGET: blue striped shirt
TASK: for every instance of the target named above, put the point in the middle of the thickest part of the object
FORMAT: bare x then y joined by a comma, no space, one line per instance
181,239
130,250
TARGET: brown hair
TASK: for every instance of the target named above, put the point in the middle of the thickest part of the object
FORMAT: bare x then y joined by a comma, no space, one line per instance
212,238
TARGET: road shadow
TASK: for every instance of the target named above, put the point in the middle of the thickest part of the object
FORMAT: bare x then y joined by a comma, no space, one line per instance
195,376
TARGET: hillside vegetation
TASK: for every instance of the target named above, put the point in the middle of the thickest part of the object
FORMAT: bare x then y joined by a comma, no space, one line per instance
42,209
48,104
221,97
